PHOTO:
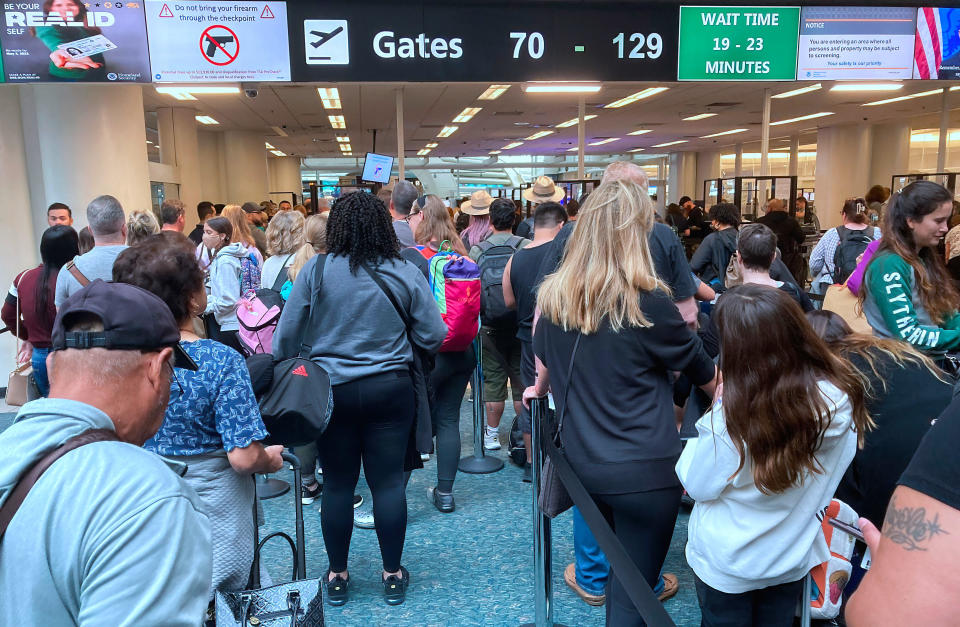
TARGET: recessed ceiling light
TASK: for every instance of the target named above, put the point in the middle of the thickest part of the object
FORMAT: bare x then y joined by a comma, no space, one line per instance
636,150
493,92
512,145
699,116
642,131
205,119
797,92
909,97
575,120
268,145
423,152
279,153
343,139
640,95
561,88
447,131
539,134
432,145
494,152
346,148
730,132
604,141
867,87
330,97
812,116
337,121
574,149
467,114
149,142
187,92
665,144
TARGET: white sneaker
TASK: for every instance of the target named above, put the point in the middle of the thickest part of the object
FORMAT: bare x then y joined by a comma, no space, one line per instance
363,519
491,440
424,457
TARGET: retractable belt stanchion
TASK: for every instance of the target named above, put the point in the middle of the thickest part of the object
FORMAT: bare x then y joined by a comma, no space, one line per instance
805,601
478,463
542,542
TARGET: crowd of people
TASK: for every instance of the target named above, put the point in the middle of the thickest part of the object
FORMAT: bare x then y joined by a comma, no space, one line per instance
702,373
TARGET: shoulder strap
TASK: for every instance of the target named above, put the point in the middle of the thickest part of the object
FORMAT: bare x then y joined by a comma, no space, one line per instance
389,294
514,241
72,268
563,408
27,481
283,276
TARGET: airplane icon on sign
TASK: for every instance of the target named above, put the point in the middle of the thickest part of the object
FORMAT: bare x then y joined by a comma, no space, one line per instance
326,42
325,37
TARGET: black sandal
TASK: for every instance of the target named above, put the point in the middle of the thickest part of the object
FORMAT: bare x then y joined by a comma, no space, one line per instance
337,589
395,588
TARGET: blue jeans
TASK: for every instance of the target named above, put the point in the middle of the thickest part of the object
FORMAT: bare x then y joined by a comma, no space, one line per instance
39,363
592,567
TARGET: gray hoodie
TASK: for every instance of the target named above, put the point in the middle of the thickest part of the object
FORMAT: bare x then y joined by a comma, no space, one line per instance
223,285
109,535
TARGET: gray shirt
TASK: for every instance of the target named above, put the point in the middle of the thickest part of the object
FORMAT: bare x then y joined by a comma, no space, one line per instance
96,264
356,331
404,233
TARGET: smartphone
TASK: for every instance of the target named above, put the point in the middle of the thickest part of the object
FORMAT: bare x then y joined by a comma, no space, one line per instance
847,528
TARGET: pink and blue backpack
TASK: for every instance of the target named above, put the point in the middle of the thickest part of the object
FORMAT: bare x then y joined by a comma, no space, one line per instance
455,283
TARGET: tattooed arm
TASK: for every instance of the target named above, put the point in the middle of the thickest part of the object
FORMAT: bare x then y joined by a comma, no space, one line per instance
914,578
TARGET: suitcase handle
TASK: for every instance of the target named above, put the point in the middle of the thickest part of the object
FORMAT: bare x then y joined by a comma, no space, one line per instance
299,547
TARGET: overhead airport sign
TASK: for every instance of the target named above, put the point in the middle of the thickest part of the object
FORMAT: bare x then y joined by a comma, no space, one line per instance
728,43
192,42
415,42
856,43
74,41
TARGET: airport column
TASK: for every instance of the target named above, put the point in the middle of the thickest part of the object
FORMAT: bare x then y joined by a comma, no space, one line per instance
842,169
246,165
944,129
794,155
180,148
285,178
890,152
20,221
83,141
682,176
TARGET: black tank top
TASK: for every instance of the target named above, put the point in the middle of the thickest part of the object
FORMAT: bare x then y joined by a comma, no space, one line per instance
523,276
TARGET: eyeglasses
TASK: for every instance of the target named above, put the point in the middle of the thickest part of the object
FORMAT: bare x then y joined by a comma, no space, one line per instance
173,377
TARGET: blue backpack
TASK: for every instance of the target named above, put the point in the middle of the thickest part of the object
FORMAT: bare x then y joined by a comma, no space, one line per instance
249,275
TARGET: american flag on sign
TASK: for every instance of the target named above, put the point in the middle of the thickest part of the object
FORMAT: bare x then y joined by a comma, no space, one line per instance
928,51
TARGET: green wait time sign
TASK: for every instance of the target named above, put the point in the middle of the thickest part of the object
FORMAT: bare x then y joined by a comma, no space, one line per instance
738,43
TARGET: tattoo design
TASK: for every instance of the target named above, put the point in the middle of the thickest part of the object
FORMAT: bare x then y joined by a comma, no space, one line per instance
909,527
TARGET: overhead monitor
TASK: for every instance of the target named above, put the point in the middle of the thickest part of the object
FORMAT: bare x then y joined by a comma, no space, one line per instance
937,53
854,43
376,168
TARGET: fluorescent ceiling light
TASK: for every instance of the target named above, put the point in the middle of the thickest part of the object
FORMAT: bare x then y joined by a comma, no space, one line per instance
337,121
636,150
812,116
268,145
205,119
423,152
561,88
347,154
699,116
642,131
187,92
730,132
797,92
432,145
911,96
343,139
574,149
279,153
467,114
330,97
493,92
664,145
346,148
604,141
149,142
512,145
640,95
575,120
447,131
867,87
494,152
539,134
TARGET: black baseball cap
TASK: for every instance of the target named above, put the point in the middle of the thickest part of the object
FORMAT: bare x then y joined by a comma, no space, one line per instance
132,317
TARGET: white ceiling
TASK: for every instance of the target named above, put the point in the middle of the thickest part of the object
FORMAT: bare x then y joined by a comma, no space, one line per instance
429,106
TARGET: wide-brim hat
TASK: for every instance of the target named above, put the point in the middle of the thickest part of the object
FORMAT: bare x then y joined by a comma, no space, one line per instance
478,204
544,190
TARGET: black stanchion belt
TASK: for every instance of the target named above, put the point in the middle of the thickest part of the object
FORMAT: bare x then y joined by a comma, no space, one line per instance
627,572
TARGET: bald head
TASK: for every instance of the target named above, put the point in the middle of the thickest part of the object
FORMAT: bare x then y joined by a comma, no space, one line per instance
625,170
775,204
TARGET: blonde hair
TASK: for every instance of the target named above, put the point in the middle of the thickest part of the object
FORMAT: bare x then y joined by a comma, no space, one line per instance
301,210
315,232
141,225
607,263
437,226
285,233
241,228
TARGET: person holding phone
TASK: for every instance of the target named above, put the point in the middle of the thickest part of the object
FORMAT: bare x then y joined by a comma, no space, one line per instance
769,456
63,67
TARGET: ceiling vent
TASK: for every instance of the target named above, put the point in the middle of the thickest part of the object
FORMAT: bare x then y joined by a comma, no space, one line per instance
723,105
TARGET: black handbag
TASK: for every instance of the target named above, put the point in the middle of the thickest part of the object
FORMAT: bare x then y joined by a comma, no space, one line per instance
554,499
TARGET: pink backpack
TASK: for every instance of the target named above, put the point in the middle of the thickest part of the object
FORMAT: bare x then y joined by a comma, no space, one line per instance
258,313
455,283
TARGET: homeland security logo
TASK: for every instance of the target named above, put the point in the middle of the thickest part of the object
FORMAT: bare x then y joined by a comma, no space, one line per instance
111,76
326,42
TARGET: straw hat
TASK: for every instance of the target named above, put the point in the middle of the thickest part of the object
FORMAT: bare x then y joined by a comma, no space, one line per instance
478,205
543,190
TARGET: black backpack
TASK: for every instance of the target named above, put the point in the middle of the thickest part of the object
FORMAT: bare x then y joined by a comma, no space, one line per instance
849,248
492,263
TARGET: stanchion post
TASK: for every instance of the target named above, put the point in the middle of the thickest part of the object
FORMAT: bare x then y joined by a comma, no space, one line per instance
478,463
805,601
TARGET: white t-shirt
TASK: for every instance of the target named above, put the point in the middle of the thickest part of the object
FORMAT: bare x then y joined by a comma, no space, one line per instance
740,539
272,267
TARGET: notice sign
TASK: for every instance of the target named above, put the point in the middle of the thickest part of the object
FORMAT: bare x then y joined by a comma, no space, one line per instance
856,43
738,43
205,42
69,40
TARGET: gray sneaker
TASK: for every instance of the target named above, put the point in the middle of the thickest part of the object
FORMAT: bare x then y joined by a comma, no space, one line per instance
363,519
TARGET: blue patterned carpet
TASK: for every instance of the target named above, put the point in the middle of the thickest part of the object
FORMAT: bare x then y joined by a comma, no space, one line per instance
471,567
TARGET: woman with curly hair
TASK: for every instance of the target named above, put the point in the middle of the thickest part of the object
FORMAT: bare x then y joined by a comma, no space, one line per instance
284,239
357,335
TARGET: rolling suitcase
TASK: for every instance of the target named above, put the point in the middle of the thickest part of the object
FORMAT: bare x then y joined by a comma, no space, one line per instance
298,603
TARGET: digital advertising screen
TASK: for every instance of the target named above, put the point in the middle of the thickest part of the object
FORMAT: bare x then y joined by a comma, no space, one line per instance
376,168
207,41
851,43
936,53
70,41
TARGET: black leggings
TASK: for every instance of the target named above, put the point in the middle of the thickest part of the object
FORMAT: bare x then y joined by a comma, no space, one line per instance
372,419
643,522
449,381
